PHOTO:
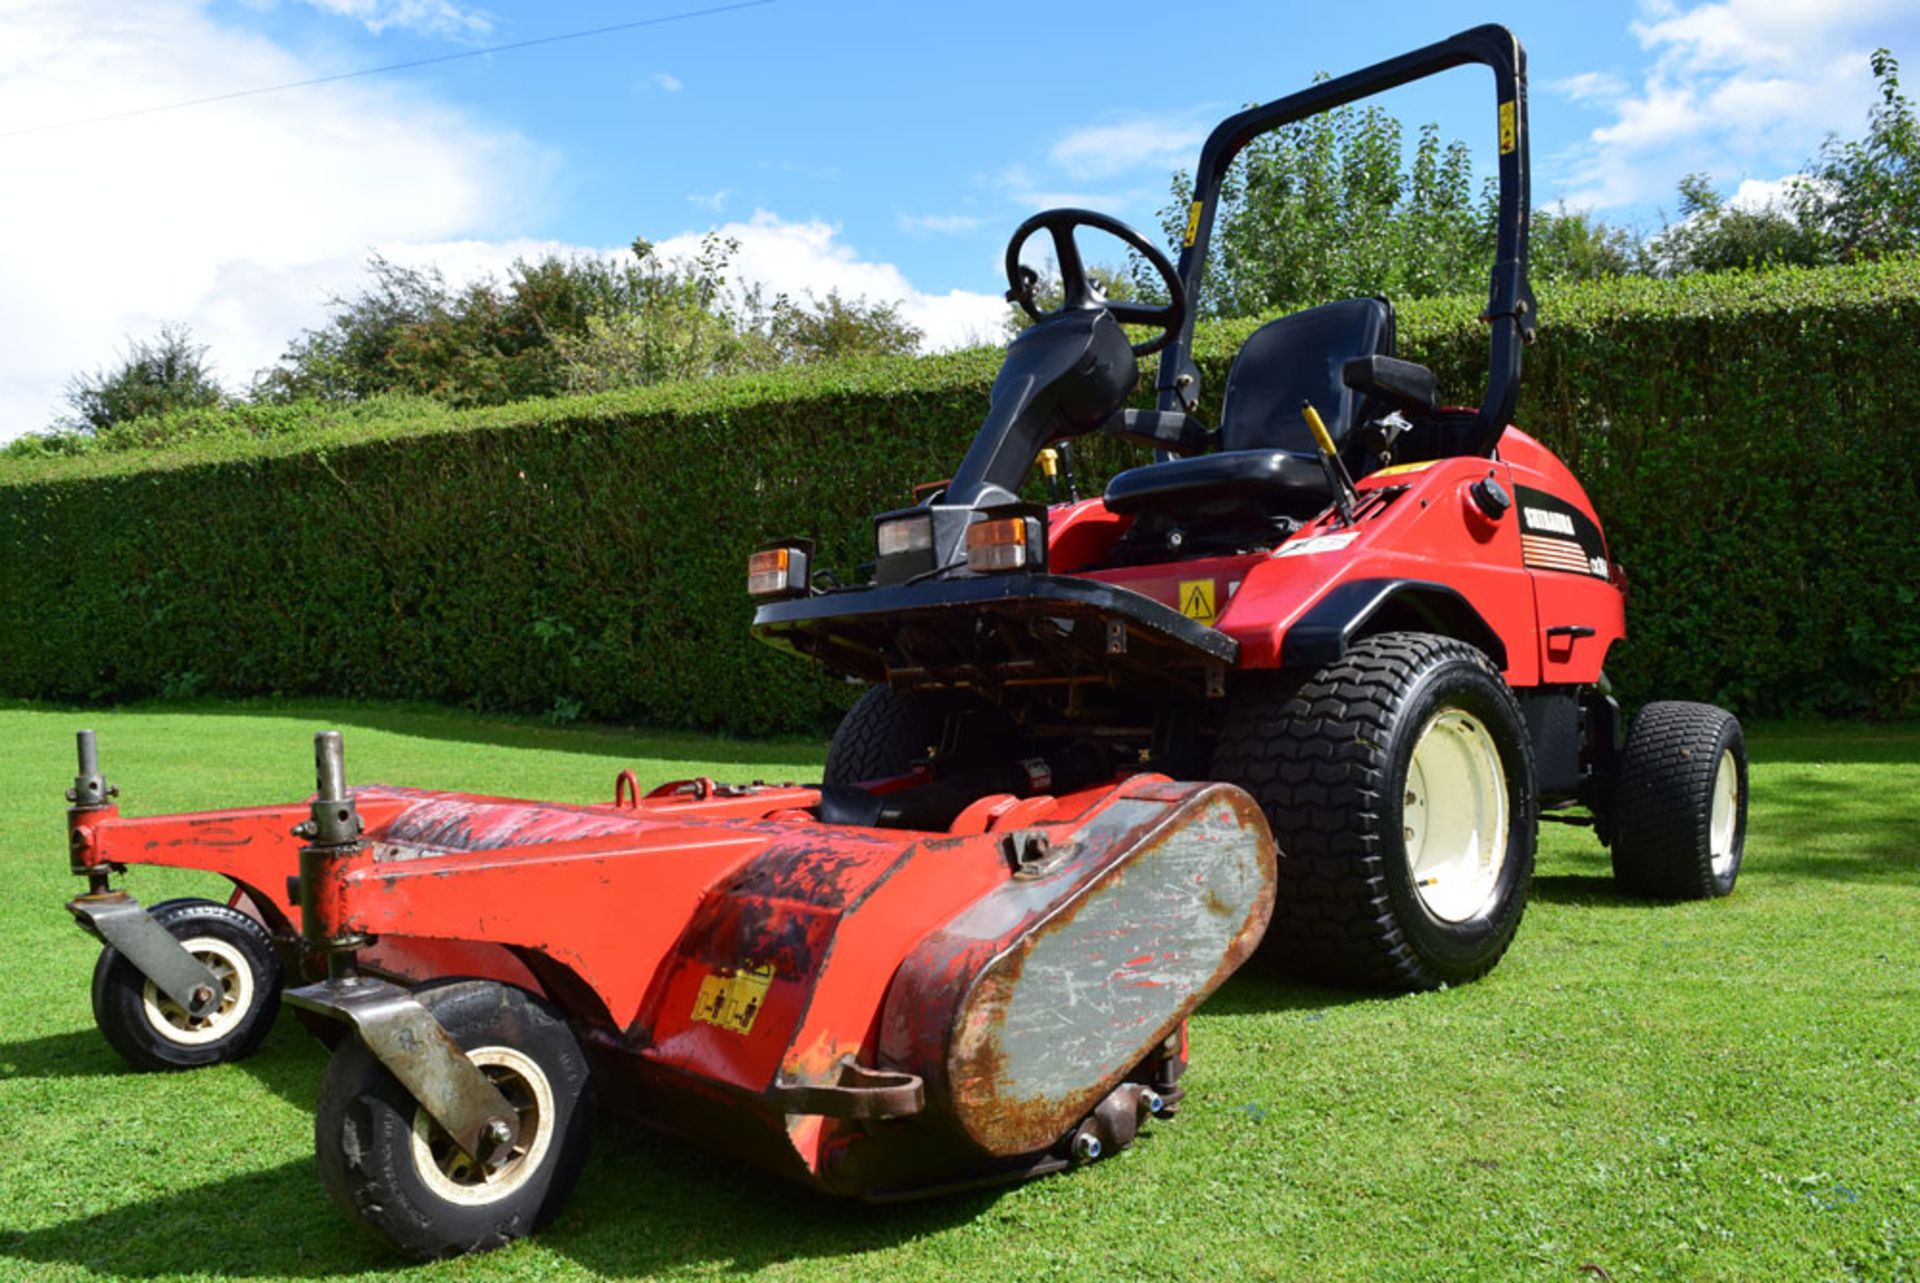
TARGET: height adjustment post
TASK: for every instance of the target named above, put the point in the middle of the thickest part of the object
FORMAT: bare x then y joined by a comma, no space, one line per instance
332,836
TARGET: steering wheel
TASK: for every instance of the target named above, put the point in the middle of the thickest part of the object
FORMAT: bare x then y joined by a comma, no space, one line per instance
1078,290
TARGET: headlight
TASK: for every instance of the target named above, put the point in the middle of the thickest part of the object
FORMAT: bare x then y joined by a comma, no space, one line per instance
905,534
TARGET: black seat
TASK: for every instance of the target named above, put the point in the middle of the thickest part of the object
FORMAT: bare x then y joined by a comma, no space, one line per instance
1267,464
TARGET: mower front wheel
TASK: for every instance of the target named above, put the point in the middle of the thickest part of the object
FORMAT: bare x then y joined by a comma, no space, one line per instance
1399,784
152,1031
390,1167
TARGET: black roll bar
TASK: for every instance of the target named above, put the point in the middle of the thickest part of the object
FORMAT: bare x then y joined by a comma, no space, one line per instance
1511,310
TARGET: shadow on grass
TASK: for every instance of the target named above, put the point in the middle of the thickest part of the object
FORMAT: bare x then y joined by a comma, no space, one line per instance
1838,742
644,1206
429,721
272,1222
288,1064
1588,890
1263,987
1839,828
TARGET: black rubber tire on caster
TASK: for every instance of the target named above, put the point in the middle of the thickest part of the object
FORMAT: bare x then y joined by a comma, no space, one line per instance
887,730
150,1031
1680,803
392,1170
1330,760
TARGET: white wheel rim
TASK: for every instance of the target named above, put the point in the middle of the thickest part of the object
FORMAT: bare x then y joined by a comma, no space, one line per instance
1724,824
450,1174
170,1020
1454,816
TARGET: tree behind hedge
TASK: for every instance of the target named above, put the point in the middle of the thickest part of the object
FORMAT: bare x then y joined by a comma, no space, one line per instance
166,373
568,323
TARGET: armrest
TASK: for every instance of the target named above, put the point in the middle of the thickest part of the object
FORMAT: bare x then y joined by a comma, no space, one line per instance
1401,384
1169,430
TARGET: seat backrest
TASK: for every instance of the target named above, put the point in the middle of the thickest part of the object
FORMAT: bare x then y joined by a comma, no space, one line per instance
1299,358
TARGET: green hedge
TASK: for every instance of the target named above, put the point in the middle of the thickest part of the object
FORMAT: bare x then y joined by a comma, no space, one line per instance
1750,440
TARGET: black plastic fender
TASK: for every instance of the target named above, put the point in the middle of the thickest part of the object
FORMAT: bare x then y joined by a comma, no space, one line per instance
1322,634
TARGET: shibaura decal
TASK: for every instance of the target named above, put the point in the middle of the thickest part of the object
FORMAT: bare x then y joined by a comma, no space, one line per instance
1555,535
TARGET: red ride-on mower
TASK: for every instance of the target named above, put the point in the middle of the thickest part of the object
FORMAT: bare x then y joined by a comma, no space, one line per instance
970,953
1384,617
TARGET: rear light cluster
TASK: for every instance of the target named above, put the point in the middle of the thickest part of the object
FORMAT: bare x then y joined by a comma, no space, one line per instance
1012,536
779,570
1005,544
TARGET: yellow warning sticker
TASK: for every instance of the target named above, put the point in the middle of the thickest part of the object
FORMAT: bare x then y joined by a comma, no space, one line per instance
1401,469
1509,131
1193,223
732,1001
1196,600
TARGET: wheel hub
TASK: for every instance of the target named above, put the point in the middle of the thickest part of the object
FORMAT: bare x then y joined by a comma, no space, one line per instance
176,1024
1723,823
457,1177
1454,821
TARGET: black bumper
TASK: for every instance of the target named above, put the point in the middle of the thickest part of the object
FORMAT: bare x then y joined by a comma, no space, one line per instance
995,629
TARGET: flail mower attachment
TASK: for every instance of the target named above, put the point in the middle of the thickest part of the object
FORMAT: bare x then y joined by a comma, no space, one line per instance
880,1012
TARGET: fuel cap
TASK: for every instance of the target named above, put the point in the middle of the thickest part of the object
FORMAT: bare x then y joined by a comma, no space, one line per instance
1491,498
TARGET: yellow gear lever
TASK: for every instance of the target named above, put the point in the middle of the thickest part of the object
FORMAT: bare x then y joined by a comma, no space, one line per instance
1345,493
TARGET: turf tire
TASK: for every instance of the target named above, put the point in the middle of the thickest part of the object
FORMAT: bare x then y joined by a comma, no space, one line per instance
1663,844
365,1128
132,1013
1328,759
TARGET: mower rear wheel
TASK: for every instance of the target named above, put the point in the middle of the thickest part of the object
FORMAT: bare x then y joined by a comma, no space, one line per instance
395,1171
151,1031
1399,784
886,731
1680,803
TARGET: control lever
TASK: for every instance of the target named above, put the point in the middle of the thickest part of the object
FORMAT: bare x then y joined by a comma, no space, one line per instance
1344,492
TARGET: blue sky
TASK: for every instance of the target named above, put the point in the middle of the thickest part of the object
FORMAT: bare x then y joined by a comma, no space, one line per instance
887,149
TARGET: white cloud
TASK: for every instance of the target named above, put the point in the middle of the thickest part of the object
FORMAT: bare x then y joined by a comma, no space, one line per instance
713,200
238,218
1019,184
1731,86
802,259
1590,86
424,17
1731,35
1101,151
242,219
939,224
1758,194
664,81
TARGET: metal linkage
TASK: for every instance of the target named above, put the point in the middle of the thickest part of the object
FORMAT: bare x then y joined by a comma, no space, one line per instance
413,1046
90,788
418,1051
332,834
117,919
88,798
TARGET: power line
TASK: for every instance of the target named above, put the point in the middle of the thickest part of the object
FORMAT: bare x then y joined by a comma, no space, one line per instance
397,66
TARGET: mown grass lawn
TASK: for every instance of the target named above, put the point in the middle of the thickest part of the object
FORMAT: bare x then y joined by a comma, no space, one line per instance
1726,1090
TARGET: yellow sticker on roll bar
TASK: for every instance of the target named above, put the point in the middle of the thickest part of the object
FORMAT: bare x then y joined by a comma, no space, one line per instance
1509,130
1193,223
